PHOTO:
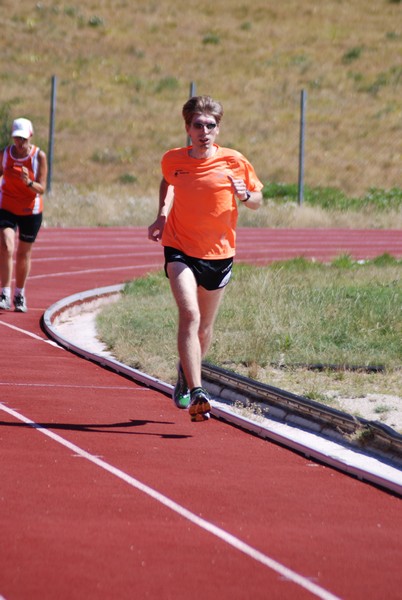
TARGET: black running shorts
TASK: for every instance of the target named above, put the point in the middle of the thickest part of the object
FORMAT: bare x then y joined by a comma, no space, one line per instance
28,225
209,274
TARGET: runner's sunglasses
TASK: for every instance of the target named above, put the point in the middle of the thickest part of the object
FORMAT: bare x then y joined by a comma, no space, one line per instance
209,126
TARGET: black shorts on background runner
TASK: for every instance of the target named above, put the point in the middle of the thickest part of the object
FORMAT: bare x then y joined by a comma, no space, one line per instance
28,225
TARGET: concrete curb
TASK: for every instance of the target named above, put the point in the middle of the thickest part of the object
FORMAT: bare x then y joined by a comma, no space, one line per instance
354,462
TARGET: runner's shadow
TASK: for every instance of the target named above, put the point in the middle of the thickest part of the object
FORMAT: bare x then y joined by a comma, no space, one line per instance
102,427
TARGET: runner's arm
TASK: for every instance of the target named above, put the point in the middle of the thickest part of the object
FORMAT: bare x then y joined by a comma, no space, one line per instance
38,185
165,202
254,201
251,200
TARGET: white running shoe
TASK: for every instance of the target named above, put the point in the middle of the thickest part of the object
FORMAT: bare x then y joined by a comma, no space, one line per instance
20,304
5,302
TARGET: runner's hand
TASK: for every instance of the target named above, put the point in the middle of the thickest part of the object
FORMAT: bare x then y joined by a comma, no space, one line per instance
239,187
156,229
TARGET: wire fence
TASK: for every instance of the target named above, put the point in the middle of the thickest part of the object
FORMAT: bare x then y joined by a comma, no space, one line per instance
346,146
350,142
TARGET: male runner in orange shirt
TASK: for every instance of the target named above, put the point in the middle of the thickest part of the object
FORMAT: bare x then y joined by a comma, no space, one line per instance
196,222
23,168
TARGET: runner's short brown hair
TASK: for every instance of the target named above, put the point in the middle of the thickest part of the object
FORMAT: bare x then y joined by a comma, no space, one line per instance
199,105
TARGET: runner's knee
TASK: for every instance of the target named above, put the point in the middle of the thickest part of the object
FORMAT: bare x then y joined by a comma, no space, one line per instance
7,245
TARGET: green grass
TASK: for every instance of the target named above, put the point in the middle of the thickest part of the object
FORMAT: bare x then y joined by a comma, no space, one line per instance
316,314
124,69
334,199
300,313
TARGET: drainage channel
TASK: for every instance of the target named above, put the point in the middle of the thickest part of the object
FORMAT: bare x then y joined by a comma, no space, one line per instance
364,449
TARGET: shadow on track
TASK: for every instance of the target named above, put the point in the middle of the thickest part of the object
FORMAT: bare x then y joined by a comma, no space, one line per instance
100,427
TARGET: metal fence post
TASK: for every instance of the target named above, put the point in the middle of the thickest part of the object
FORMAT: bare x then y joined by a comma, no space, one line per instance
51,134
303,98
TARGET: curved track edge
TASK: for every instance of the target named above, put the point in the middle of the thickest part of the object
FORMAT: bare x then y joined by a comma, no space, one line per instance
325,434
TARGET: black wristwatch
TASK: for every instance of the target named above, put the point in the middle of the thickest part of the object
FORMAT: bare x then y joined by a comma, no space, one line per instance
30,184
248,196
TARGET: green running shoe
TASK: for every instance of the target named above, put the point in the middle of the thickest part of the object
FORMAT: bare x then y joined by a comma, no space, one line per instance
181,393
200,406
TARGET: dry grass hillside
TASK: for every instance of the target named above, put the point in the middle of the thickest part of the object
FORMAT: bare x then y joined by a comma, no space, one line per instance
124,69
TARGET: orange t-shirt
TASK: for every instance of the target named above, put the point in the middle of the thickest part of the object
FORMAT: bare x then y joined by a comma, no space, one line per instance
203,217
15,196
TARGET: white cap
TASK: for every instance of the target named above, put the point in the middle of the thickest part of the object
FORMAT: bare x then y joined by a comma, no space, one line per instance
22,128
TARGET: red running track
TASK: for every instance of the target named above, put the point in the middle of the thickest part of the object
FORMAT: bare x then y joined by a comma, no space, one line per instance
108,491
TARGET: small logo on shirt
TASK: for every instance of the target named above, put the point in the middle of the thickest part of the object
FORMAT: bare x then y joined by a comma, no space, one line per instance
180,172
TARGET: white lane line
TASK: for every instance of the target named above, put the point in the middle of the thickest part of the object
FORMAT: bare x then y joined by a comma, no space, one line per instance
56,345
228,538
95,256
30,334
100,270
80,387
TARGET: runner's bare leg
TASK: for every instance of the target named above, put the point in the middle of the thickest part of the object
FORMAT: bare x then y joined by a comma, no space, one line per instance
197,312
